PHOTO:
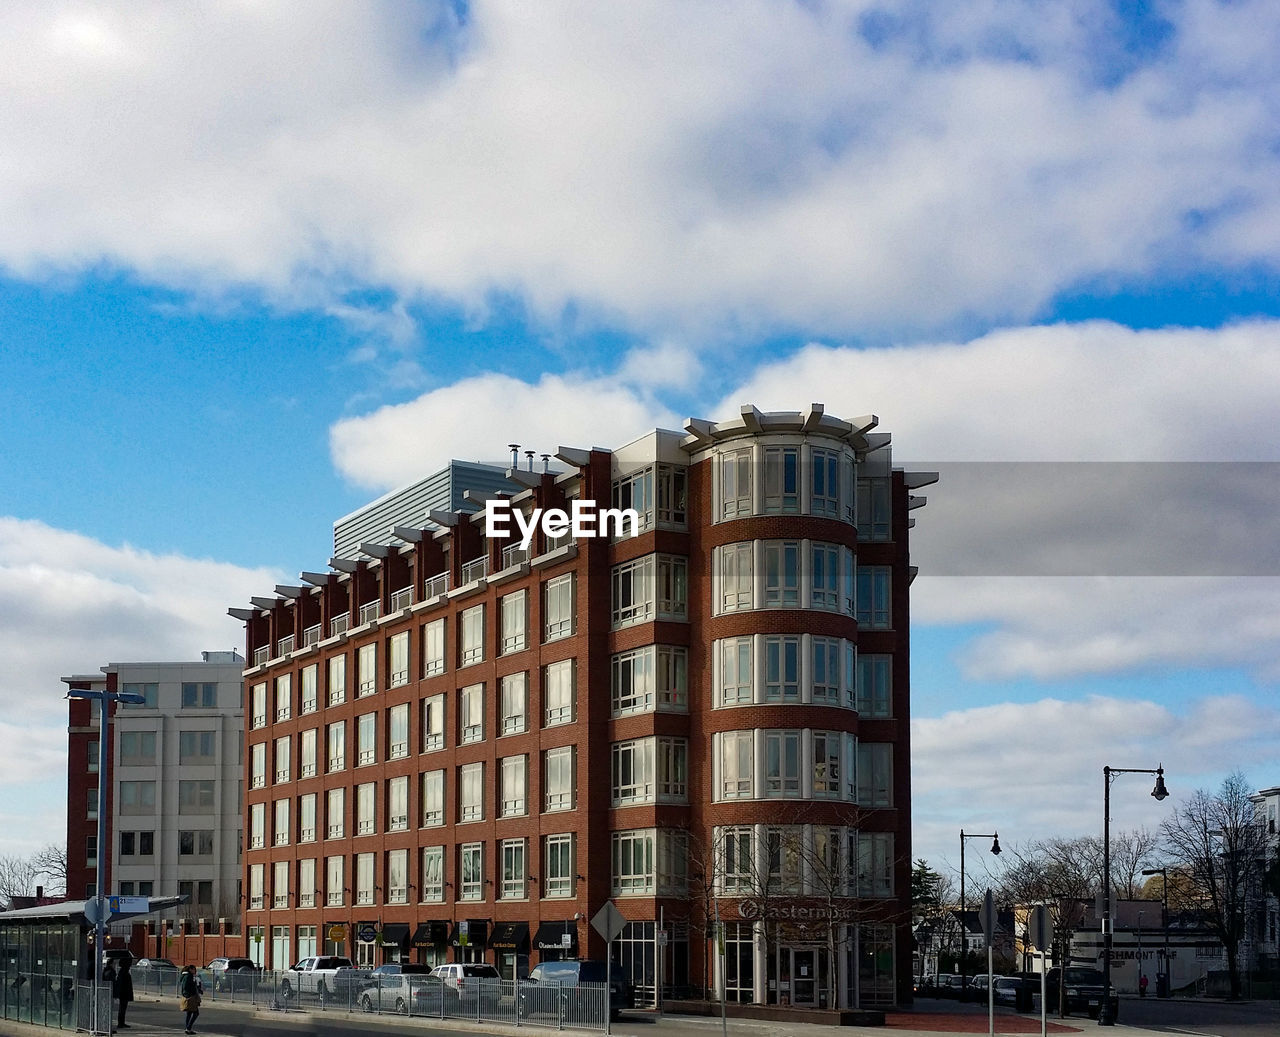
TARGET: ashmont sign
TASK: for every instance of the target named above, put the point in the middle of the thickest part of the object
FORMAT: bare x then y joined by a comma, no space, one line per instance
754,910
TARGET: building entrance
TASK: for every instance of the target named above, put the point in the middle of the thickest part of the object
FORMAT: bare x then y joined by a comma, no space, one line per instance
802,977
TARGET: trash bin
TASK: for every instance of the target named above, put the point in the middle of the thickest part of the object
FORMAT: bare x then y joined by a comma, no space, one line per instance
1162,984
1022,999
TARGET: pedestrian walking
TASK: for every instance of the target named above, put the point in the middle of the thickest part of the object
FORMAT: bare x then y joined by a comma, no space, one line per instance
122,991
1142,985
189,989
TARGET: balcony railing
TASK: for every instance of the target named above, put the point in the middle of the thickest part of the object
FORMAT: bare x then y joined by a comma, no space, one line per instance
370,611
436,586
284,646
261,655
339,624
402,599
514,555
476,569
311,636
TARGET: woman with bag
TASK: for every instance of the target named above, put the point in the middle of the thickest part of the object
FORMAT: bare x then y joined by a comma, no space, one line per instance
189,990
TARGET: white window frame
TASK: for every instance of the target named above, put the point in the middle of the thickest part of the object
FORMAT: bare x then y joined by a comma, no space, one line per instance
366,808
734,483
398,731
258,765
334,881
471,792
515,622
560,778
826,669
471,871
632,591
337,688
735,572
559,867
782,575
471,714
559,608
781,494
471,635
783,764
559,693
397,876
431,875
824,576
433,646
736,759
366,739
514,800
367,669
514,703
282,828
433,799
398,651
308,699
634,862
336,739
433,723
782,667
398,803
284,696
515,870
307,757
366,873
307,818
334,813
825,467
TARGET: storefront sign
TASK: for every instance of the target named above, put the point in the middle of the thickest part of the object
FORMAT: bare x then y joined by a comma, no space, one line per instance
753,910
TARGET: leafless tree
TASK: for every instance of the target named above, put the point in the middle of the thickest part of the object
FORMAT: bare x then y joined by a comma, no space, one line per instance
1130,853
52,865
1222,847
19,877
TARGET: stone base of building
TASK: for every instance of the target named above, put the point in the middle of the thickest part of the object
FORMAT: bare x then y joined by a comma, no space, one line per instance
775,1013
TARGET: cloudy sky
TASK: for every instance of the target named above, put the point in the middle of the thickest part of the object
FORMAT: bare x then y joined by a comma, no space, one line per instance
261,262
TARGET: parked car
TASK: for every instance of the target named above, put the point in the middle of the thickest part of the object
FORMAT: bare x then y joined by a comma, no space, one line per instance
977,988
1083,990
158,974
232,973
472,981
1006,990
946,985
549,987
406,989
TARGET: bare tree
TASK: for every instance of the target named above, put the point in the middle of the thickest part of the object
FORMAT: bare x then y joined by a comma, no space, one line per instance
18,877
52,865
1130,853
1222,846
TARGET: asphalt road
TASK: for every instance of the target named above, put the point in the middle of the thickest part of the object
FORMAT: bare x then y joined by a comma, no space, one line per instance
1210,1018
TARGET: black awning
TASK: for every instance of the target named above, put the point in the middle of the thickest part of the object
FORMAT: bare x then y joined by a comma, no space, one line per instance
477,933
510,936
550,936
431,934
395,934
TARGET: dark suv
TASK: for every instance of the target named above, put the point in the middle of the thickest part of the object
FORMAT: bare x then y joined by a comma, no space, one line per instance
1083,991
549,990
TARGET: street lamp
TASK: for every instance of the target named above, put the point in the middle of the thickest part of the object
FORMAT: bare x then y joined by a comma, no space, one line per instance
100,900
1164,924
1105,1015
964,934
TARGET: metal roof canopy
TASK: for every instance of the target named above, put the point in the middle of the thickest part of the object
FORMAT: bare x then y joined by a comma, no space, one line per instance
73,911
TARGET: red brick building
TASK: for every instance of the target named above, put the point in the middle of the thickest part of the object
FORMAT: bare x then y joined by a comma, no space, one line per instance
458,749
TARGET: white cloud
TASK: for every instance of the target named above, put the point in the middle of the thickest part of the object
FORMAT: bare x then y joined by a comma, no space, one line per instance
647,162
1034,770
476,418
72,605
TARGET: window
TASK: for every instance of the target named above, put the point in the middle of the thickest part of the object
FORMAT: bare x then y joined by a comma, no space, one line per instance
258,704
135,747
128,844
825,576
284,696
281,830
632,682
635,491
734,569
784,853
875,864
199,696
364,878
306,891
431,880
782,763
514,786
397,804
433,723
781,574
398,650
735,676
398,731
737,764
187,843
255,886
673,863
471,871
337,746
307,818
151,696
366,739
472,647
514,870
190,843
433,648
283,762
826,681
673,770
782,668
333,881
367,669
824,497
672,678
397,876
91,754
736,873
672,509
559,692
195,747
196,796
515,622
827,753
137,797
307,753
873,509
632,585
366,817
471,714
558,608
258,765
514,697
875,685
673,587
782,479
875,774
558,869
257,825
337,680
735,483
633,772
560,779
432,799
471,792
334,827
633,862
307,704
873,597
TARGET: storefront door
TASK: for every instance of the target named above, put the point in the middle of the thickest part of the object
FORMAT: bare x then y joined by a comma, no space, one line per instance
804,977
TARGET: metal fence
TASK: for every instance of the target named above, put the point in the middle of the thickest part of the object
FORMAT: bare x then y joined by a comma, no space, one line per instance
416,996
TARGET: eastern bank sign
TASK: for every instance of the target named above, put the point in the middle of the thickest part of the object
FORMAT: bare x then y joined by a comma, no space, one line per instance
754,910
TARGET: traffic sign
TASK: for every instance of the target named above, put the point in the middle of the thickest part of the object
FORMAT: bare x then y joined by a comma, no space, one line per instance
1041,928
608,921
987,918
97,909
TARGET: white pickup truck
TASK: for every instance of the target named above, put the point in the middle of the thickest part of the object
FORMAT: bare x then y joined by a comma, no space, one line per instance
327,976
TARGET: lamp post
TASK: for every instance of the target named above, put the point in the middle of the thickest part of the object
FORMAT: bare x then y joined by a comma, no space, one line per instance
100,880
1105,1015
1164,924
1141,989
964,932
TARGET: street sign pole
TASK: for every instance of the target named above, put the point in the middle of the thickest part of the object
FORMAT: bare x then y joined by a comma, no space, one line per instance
989,931
609,923
1042,938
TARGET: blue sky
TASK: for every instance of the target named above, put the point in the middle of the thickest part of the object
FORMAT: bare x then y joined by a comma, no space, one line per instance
261,267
